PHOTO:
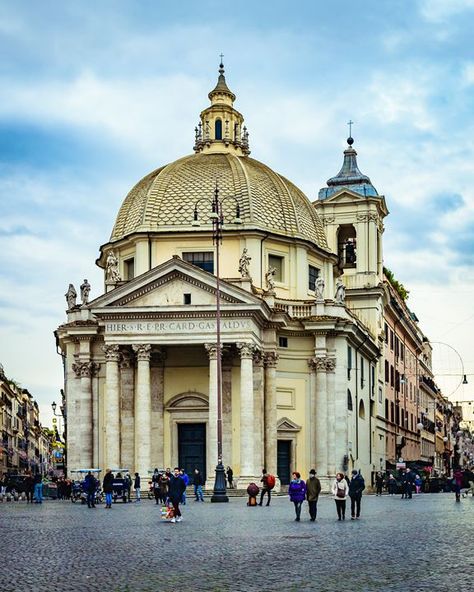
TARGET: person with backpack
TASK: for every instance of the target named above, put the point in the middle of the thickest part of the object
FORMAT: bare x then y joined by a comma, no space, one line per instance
313,489
268,483
297,493
356,487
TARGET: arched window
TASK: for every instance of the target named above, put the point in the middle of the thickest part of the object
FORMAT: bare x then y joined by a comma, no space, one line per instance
361,410
347,245
218,129
349,400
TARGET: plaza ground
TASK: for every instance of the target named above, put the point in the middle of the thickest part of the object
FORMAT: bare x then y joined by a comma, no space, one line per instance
422,544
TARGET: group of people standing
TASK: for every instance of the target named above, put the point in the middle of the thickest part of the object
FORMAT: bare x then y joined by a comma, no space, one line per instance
300,490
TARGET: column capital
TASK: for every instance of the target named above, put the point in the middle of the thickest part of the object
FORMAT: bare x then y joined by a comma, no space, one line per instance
211,349
85,369
258,357
330,364
112,352
246,349
318,364
271,358
143,352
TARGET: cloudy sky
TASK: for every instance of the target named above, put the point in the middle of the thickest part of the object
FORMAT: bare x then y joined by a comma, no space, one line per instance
94,95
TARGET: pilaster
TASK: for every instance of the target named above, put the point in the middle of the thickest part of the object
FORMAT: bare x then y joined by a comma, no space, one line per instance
143,410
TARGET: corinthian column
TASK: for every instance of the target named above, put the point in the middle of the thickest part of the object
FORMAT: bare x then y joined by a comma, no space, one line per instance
143,410
212,425
127,427
112,406
331,409
270,361
247,437
321,417
86,371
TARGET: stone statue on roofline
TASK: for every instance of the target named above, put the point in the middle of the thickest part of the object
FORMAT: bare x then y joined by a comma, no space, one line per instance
111,268
85,291
244,262
340,294
71,296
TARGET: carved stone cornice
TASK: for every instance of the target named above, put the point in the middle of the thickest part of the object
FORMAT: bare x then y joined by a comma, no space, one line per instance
112,352
271,359
85,369
143,352
246,349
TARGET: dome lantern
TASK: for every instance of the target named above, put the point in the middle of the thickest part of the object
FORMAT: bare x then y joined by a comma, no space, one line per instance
221,126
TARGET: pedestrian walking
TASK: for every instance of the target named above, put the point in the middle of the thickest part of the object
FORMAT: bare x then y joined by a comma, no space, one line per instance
164,484
198,481
266,489
297,493
108,487
90,486
155,482
230,477
185,478
175,494
457,483
137,487
418,483
340,489
29,487
378,483
356,487
409,480
313,489
128,486
392,484
38,480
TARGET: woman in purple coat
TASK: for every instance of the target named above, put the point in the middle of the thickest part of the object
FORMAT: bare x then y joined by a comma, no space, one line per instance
297,493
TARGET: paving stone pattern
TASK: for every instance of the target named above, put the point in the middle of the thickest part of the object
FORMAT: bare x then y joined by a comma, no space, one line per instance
422,544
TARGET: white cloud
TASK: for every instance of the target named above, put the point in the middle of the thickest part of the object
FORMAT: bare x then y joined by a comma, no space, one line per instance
439,10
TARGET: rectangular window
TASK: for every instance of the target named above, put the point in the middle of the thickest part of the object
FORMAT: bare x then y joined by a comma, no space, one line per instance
387,371
392,375
186,298
397,381
386,333
380,394
313,274
397,347
204,260
277,263
362,381
349,362
283,342
392,411
391,339
372,380
402,352
129,268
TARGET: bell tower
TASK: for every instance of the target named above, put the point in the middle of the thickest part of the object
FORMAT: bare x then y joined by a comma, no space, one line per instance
352,212
221,127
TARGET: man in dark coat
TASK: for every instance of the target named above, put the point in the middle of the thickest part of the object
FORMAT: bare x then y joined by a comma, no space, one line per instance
29,488
108,487
198,481
175,493
90,485
313,489
356,487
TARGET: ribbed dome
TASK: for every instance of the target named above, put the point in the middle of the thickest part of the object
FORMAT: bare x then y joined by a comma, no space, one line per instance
165,199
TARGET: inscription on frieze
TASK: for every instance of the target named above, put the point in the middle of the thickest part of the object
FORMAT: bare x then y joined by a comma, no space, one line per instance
177,326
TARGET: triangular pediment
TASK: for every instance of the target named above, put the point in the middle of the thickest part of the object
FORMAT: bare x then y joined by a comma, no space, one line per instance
286,425
165,286
347,196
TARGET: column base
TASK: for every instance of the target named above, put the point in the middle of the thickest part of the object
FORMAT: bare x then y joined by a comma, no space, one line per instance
326,483
243,482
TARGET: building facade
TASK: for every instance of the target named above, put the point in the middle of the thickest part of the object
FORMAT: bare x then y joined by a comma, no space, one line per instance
23,446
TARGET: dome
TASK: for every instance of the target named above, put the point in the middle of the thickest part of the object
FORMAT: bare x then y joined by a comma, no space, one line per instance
165,200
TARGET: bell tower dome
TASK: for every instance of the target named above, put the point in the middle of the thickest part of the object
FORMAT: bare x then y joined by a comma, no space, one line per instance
221,126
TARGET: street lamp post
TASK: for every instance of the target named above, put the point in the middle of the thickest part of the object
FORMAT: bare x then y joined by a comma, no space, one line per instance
62,409
217,219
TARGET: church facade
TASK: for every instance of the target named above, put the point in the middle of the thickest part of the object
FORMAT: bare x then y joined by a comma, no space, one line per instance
301,308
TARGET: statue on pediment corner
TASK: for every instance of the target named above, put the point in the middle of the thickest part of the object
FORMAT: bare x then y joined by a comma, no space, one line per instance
71,296
244,262
111,268
340,294
85,291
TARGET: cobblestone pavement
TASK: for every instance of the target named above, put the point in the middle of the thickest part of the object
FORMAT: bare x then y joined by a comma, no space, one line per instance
422,544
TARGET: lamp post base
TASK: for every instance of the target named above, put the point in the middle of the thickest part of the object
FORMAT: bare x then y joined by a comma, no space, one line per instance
219,495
